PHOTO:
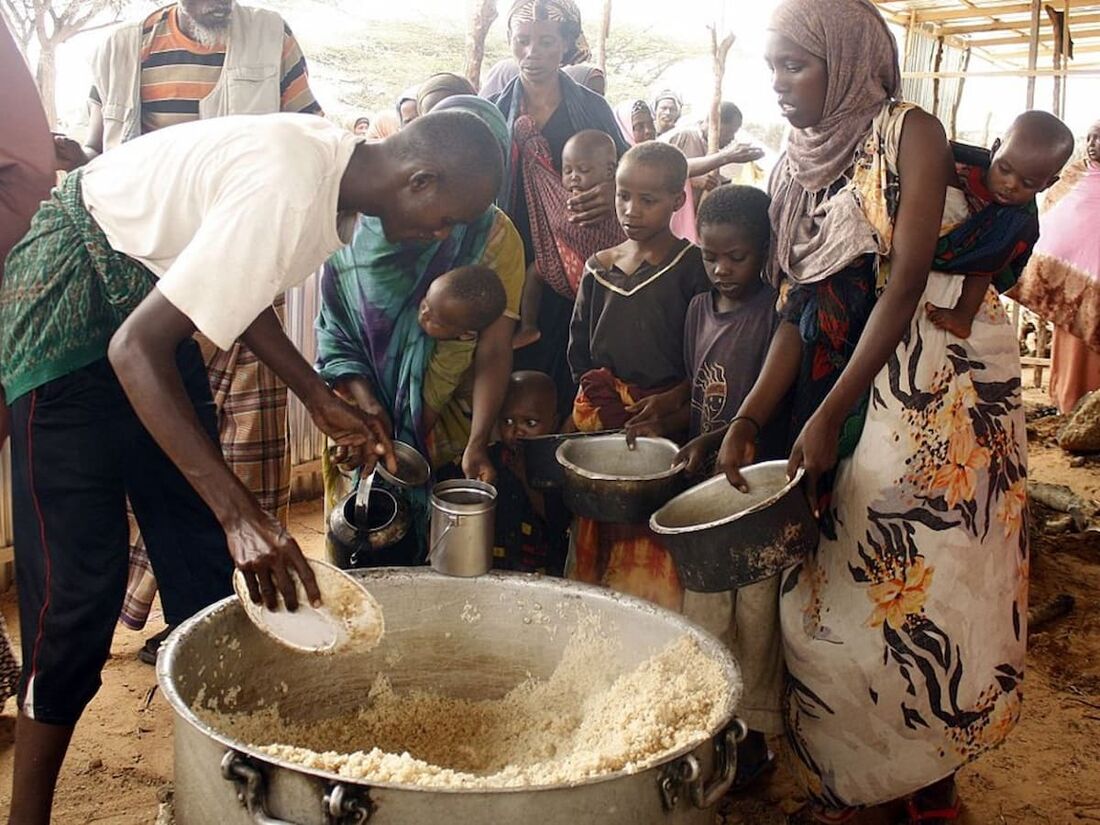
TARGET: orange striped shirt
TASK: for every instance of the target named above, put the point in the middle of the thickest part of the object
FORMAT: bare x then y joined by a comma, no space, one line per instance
177,73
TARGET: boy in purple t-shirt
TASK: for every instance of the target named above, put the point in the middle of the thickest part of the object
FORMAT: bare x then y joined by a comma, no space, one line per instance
727,335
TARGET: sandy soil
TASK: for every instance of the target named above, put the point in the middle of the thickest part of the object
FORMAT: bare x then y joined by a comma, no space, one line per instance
120,766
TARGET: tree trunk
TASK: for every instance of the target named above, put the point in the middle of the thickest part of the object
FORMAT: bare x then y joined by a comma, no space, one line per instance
719,51
601,40
484,13
46,78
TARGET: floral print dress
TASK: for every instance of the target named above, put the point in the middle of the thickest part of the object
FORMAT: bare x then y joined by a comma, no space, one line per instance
905,633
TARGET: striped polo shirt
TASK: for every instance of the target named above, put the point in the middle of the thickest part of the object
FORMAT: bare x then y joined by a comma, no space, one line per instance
177,73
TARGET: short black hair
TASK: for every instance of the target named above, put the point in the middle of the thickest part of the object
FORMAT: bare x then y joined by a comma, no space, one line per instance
1043,128
480,291
745,207
729,113
458,144
664,156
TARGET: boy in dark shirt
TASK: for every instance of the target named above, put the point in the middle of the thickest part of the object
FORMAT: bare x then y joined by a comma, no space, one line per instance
626,338
1000,185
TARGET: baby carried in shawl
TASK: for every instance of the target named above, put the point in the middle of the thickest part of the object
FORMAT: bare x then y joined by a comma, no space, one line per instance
561,247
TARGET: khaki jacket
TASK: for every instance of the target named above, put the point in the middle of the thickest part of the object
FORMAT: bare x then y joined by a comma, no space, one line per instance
249,82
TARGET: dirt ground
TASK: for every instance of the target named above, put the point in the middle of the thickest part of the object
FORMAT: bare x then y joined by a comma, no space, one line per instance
119,769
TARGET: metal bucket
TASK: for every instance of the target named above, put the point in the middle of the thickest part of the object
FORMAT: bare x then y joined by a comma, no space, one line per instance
463,520
523,628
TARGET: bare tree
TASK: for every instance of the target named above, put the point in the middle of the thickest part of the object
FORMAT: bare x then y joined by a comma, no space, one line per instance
719,51
51,23
483,13
601,39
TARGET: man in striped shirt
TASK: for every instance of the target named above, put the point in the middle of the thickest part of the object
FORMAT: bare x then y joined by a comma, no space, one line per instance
194,60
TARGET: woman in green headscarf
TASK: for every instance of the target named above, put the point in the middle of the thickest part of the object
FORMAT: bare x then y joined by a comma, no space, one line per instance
442,397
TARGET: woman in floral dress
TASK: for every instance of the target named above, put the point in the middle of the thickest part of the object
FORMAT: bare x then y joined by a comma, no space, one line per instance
904,632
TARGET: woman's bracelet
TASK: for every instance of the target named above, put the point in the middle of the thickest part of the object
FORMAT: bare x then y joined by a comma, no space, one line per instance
751,420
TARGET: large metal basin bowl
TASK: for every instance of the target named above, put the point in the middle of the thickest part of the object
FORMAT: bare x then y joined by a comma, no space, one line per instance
433,641
721,538
607,480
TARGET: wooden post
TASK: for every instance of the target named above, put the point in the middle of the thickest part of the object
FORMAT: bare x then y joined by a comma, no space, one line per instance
1066,51
482,17
937,64
1040,345
953,124
601,40
909,29
1033,52
1059,56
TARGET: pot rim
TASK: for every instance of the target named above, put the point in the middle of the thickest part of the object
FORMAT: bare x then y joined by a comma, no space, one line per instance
563,437
591,475
708,643
664,530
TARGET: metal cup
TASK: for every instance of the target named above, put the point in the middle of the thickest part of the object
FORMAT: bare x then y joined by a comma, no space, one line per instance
462,525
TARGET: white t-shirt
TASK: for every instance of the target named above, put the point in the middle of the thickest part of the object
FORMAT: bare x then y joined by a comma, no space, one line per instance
228,213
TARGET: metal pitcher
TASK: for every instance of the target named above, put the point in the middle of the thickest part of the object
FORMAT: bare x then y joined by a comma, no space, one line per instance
462,525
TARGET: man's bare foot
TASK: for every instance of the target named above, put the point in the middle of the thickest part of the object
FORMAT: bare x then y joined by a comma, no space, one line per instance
525,337
951,320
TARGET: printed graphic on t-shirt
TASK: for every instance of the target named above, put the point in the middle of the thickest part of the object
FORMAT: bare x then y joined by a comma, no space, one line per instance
709,396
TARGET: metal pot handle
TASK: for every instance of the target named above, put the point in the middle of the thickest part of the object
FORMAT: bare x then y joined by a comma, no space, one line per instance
687,773
452,522
725,759
341,806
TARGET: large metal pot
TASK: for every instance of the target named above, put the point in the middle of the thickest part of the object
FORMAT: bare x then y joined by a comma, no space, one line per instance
430,643
608,480
721,538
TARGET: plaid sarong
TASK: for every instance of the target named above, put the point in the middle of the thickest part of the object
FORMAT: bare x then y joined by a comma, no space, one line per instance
9,667
252,428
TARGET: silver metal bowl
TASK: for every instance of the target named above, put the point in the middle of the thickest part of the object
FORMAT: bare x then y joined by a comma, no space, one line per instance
607,480
413,469
721,538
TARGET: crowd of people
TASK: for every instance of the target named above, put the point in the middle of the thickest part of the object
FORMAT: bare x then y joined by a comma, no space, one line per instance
519,260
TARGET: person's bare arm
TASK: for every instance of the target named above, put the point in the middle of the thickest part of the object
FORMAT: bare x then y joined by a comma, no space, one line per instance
93,144
142,353
70,154
492,370
776,379
593,206
530,303
925,169
734,153
344,423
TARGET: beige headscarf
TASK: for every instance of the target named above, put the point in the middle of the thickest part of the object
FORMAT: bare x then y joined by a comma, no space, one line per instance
815,235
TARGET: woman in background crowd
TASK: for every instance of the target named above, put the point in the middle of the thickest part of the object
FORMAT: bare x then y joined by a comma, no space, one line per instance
546,35
443,398
635,120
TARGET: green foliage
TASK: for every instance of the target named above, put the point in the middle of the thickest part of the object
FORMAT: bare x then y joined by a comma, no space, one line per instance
372,69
